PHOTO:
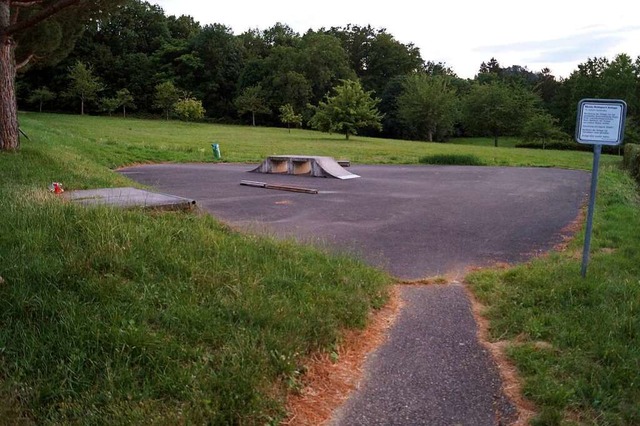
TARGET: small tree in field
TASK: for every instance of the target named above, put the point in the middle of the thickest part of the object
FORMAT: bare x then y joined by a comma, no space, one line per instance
41,96
84,85
166,97
349,110
288,116
252,100
543,127
429,105
189,109
125,99
109,105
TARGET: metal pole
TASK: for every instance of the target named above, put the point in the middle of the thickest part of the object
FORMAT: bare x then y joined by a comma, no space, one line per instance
597,150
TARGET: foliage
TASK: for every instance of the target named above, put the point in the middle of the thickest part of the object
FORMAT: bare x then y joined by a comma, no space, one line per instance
41,96
109,105
601,78
288,116
497,109
166,96
376,56
84,84
452,159
428,105
189,109
252,100
543,127
631,160
350,109
125,100
558,144
41,31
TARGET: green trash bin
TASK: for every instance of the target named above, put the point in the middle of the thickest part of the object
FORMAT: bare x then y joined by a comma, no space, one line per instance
216,150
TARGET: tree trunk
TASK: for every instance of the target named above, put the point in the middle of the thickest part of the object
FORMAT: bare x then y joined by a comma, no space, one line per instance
124,112
495,140
253,118
9,135
41,106
347,135
82,106
430,135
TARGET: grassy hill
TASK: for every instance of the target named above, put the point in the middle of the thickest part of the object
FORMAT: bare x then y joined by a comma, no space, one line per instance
111,316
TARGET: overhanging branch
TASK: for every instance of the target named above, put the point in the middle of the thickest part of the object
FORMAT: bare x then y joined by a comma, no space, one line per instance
38,16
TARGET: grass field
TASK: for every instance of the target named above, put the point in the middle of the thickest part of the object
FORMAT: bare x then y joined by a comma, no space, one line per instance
128,317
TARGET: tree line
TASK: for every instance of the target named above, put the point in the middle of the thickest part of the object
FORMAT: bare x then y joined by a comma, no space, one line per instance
352,79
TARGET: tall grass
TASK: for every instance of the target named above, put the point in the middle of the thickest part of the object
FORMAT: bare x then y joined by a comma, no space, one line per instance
577,341
121,317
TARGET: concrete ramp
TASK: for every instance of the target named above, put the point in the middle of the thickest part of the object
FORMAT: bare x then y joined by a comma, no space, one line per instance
129,198
304,165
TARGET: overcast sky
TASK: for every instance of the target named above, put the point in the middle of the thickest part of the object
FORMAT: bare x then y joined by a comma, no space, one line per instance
558,34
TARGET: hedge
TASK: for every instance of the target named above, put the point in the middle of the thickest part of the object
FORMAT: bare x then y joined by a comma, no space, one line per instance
631,160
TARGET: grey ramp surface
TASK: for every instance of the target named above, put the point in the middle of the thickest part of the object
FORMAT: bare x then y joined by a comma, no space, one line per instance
312,165
129,197
414,221
431,371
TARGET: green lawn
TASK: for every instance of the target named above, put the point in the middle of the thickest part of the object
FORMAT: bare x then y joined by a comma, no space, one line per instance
114,316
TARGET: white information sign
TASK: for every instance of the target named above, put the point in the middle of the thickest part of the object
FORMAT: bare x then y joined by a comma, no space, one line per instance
601,121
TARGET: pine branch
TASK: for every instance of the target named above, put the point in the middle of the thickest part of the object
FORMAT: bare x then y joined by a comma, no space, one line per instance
38,16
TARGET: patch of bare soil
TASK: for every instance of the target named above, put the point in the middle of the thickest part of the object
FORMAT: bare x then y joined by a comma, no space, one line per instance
329,380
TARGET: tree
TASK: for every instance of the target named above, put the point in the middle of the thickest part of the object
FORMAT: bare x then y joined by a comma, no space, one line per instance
217,61
429,105
251,100
288,116
189,109
542,127
43,30
84,85
497,109
166,97
41,96
125,99
350,109
109,105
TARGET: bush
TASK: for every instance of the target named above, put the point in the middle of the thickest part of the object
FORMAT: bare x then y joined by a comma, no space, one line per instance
189,109
563,145
631,160
452,159
568,145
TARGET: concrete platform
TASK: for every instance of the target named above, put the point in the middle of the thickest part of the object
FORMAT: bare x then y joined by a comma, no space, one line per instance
130,198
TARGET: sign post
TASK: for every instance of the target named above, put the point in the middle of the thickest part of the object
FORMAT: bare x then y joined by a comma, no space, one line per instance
600,122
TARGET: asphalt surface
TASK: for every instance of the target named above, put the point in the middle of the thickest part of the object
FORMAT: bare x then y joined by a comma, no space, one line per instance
432,370
413,221
416,222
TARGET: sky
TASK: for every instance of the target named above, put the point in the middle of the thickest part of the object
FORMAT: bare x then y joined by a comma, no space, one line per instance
558,34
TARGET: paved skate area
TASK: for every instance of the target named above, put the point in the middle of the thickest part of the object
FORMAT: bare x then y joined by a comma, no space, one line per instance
413,221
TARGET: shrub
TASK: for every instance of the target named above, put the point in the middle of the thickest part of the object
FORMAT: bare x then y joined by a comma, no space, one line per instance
631,160
189,109
452,159
563,145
